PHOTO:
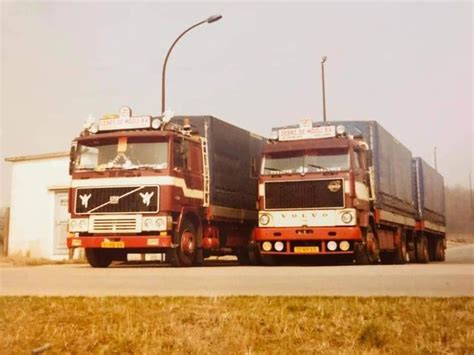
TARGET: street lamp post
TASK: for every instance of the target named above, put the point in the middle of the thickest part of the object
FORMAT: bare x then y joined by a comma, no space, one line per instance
210,19
323,60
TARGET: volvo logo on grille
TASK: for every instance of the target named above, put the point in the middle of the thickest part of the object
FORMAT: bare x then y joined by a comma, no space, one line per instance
334,185
114,200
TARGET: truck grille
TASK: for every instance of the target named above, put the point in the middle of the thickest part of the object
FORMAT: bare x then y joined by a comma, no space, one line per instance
115,224
129,199
304,194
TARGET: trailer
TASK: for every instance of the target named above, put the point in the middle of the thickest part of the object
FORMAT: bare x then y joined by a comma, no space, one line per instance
428,192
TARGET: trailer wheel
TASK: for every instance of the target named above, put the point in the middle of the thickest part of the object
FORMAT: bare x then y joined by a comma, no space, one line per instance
422,253
184,254
439,250
367,251
98,257
398,256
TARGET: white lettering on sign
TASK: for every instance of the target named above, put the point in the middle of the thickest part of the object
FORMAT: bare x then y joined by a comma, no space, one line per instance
124,123
291,134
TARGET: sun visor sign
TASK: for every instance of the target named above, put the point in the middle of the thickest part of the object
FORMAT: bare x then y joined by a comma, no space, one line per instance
136,199
124,121
306,131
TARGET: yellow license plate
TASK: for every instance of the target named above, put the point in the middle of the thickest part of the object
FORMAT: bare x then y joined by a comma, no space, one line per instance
112,245
306,249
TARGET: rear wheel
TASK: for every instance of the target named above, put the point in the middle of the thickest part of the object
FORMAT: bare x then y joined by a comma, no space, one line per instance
185,253
439,250
422,253
398,256
367,251
98,257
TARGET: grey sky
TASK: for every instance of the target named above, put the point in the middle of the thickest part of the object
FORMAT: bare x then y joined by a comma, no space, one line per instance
406,65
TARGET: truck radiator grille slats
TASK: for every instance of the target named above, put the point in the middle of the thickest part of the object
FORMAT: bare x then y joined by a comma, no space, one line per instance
304,194
115,224
129,199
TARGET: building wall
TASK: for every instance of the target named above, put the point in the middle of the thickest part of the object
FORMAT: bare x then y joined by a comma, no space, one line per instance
32,213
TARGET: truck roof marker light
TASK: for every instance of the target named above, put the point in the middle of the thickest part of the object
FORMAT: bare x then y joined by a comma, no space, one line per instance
94,129
89,123
187,125
156,123
167,116
340,130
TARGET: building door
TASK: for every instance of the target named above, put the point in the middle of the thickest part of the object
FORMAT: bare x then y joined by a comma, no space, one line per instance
61,217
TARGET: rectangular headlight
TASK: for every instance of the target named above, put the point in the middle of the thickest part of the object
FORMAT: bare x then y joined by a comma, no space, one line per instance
78,225
157,223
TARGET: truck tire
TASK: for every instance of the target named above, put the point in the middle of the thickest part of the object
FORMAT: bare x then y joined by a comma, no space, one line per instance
184,254
422,252
439,250
398,256
243,256
364,255
254,254
97,257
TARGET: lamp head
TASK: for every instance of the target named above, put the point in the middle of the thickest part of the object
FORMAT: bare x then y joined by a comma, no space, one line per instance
213,18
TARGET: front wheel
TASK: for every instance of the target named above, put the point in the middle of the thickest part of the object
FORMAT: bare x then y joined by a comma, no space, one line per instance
185,252
367,251
98,257
243,256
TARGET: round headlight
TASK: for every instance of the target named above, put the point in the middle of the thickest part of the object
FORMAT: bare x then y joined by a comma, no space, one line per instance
346,217
340,130
264,219
344,245
267,246
332,245
279,246
160,223
83,224
148,222
73,224
156,123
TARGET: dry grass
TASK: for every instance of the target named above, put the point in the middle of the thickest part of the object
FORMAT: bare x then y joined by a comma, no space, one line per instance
237,325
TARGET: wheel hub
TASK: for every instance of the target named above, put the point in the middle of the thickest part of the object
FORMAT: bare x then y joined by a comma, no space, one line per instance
187,242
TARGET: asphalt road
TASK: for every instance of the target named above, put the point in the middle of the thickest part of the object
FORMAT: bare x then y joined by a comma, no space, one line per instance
455,277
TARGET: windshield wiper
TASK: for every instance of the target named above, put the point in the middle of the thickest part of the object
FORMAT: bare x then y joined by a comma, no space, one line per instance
273,169
317,166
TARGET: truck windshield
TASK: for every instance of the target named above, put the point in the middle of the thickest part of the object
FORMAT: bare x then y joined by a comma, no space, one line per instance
100,155
306,162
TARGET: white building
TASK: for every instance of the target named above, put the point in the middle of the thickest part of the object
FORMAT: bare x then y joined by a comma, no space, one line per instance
39,206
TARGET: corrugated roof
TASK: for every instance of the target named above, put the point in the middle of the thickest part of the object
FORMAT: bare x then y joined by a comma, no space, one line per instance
37,157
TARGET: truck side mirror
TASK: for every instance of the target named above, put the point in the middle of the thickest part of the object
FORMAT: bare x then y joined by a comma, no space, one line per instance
72,158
